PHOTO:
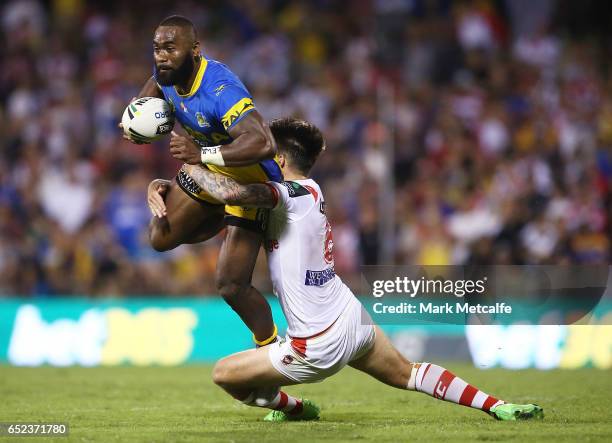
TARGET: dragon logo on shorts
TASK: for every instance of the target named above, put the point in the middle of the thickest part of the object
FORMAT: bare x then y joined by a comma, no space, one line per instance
287,360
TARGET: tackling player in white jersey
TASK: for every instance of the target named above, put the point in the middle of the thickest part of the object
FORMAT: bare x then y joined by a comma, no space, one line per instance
327,326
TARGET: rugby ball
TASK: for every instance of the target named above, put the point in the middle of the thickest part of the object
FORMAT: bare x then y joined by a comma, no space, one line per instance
148,118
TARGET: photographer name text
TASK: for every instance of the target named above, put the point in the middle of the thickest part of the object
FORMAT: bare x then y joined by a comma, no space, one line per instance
446,308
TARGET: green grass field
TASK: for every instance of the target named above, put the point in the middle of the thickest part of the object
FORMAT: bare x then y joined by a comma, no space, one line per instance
182,404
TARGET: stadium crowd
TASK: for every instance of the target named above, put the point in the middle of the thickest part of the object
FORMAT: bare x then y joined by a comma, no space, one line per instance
501,126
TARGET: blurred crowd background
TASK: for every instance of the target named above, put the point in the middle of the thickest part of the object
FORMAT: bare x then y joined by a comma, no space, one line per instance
498,114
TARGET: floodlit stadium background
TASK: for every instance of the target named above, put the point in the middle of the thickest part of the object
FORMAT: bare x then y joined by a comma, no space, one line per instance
472,132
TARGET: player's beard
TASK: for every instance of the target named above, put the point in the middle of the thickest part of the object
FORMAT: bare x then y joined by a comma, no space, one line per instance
176,76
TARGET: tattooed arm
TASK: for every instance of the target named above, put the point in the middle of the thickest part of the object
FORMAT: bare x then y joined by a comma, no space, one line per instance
230,192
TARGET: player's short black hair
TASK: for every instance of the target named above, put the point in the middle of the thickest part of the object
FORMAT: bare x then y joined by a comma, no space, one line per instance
300,140
180,22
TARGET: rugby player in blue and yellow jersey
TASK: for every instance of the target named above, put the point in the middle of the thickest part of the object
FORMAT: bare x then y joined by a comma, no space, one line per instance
228,135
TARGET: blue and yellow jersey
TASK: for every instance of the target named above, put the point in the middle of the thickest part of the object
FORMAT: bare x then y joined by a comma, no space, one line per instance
216,102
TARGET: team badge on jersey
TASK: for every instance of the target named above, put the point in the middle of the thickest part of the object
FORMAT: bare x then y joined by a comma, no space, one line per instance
202,122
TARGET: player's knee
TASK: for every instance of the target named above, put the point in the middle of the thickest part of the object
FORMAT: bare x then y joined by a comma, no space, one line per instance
161,246
221,374
160,242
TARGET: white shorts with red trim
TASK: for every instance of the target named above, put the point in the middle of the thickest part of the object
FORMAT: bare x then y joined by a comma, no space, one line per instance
308,360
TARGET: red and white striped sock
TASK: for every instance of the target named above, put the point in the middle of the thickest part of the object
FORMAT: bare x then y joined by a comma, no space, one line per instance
278,400
444,385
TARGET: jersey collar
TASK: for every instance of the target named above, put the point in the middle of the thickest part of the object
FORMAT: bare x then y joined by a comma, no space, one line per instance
198,78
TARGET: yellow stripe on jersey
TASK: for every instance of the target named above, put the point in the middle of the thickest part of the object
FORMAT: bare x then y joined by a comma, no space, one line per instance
242,174
198,79
236,111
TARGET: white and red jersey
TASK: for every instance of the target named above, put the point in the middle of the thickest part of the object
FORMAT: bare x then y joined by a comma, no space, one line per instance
299,248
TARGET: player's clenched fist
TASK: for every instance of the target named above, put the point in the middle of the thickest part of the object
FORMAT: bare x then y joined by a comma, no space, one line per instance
185,150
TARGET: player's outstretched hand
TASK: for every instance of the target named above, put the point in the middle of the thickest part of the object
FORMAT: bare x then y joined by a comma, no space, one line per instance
156,191
185,150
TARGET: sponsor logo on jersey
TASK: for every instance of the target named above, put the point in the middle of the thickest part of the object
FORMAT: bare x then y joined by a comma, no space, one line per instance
295,189
208,139
183,107
219,89
319,278
328,253
236,111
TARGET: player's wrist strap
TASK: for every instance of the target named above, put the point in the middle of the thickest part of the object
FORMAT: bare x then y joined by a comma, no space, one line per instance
211,155
267,340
